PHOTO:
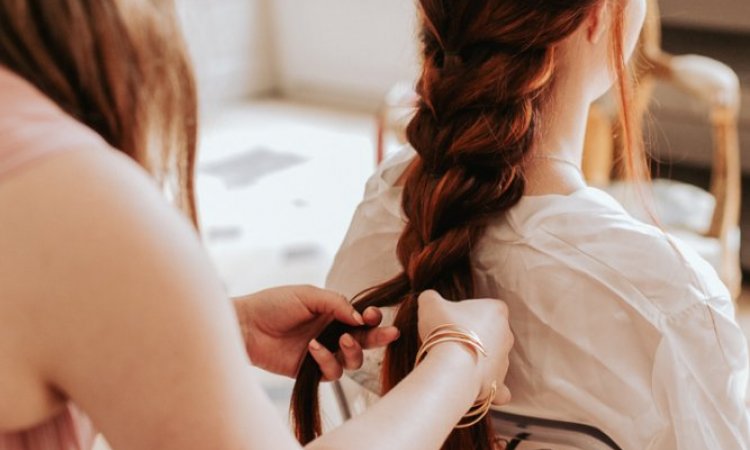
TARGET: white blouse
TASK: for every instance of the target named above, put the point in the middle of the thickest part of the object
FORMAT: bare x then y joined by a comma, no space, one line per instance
617,325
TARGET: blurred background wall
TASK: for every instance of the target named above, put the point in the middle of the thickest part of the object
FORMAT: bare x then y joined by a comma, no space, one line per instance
344,51
347,52
719,14
231,45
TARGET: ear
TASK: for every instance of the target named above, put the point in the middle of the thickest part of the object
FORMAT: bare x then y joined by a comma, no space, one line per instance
598,21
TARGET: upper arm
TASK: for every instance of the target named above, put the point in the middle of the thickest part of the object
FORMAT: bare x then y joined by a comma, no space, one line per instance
126,316
700,380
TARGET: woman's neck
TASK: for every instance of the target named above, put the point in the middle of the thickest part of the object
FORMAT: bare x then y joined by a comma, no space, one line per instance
555,167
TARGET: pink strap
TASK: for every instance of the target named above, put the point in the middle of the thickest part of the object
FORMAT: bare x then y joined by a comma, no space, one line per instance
71,430
32,126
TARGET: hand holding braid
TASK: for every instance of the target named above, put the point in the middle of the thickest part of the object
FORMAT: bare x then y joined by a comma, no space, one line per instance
488,67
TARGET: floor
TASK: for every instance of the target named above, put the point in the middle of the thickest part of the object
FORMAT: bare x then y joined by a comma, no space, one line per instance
277,184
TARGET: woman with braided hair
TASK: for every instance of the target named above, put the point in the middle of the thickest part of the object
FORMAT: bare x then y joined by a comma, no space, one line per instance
617,324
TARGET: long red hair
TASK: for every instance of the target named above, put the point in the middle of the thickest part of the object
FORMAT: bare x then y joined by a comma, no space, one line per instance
488,69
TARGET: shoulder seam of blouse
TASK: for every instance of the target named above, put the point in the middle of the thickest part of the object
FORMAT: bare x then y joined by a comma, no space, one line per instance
677,316
663,236
624,277
689,267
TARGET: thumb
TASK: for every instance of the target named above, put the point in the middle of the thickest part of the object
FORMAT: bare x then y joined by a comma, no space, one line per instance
326,302
429,297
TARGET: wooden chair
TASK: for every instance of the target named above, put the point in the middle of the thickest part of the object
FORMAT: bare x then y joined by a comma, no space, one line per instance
518,432
393,116
708,221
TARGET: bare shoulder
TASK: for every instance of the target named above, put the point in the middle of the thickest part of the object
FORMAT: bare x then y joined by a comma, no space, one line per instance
89,208
48,209
98,272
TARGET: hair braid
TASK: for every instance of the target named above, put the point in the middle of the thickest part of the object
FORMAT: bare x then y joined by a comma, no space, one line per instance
488,67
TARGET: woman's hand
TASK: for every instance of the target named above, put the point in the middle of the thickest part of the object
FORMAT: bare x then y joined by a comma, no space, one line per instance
488,318
279,326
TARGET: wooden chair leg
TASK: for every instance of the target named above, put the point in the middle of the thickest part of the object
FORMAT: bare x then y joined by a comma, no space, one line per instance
726,187
381,123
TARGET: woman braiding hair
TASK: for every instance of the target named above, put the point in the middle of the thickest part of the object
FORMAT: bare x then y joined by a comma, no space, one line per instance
488,69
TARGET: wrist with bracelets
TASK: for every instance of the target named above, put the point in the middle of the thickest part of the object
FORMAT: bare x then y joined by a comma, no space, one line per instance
454,333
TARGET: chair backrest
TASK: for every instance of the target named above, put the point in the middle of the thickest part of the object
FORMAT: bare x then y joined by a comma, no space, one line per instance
523,432
650,40
698,78
528,432
650,61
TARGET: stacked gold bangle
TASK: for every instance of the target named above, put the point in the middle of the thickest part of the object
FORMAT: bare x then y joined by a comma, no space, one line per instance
454,333
479,410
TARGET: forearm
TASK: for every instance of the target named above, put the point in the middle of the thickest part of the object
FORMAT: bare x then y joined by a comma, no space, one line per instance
420,412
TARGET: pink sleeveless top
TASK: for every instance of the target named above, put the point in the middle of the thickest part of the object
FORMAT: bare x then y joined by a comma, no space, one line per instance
33,128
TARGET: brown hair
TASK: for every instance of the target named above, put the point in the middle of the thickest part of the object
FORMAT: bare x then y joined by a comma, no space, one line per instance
118,67
488,70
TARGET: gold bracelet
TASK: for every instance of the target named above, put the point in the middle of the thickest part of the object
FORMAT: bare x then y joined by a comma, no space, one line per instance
454,333
476,343
451,333
480,409
427,346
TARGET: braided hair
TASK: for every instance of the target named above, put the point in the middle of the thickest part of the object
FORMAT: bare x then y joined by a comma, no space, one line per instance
488,69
